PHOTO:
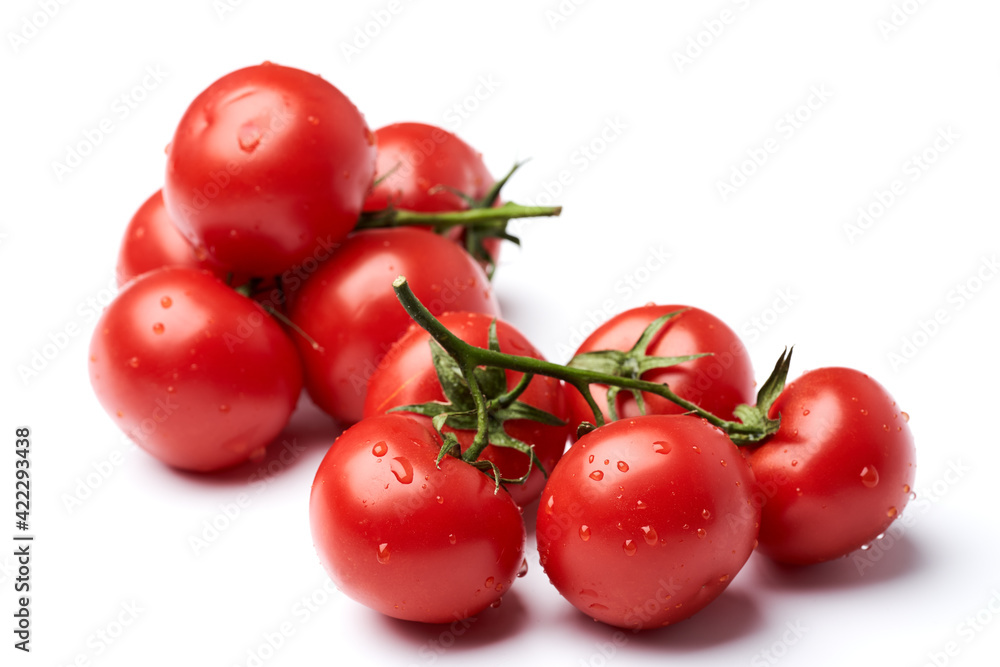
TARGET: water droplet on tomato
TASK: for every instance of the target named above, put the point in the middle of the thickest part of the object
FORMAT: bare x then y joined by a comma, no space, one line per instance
906,416
597,606
869,476
223,408
313,120
794,462
649,534
439,500
705,514
584,532
906,488
134,362
452,538
696,448
805,413
597,475
723,463
120,414
701,532
380,448
590,459
496,603
402,469
885,427
629,547
158,328
523,570
623,466
661,447
383,553
891,512
639,505
724,578
864,412
171,389
248,137
549,503
489,582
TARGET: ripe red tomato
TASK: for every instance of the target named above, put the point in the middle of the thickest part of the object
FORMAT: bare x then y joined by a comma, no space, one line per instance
414,159
349,308
198,375
838,471
409,538
646,520
408,377
269,166
717,383
151,241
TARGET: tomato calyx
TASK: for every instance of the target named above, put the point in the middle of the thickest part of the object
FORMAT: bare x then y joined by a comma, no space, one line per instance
250,288
481,221
478,400
469,357
757,415
631,364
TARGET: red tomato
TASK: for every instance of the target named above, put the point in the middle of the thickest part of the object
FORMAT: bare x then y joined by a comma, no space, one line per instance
415,159
717,383
409,538
349,308
838,471
196,374
645,521
408,377
268,167
151,241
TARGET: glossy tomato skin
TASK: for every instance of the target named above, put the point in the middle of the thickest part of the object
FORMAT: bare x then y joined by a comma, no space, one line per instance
407,538
717,383
269,166
416,158
151,241
646,520
407,377
198,375
349,308
839,470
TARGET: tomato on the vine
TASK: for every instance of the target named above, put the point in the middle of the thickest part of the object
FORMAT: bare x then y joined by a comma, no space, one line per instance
646,520
349,309
269,166
408,377
151,241
197,374
421,167
718,383
406,536
839,470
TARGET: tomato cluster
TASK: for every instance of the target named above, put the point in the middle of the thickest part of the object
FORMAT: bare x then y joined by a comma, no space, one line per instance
268,264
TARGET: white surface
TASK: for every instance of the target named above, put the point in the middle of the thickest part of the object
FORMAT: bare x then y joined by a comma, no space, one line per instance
609,67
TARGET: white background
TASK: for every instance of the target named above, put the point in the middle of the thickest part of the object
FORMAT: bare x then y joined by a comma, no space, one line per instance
660,135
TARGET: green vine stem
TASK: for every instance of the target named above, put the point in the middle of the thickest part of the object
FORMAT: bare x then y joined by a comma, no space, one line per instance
469,357
477,218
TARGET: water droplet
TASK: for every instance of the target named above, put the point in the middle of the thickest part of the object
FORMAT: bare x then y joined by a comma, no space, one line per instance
854,399
489,582
313,120
171,389
798,491
865,547
607,461
248,137
597,606
380,448
134,362
649,534
597,475
383,553
223,408
906,416
496,603
166,302
701,532
120,414
794,462
402,469
706,514
661,447
623,466
523,570
440,500
452,538
639,505
869,476
723,463
885,427
696,448
891,513
906,488
589,592
805,413
629,547
549,503
590,459
158,328
584,532
864,412
724,578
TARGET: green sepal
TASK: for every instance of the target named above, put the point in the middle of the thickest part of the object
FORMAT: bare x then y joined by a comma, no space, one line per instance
756,416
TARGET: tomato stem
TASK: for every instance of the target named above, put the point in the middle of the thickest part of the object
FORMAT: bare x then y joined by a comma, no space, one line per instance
476,218
469,357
